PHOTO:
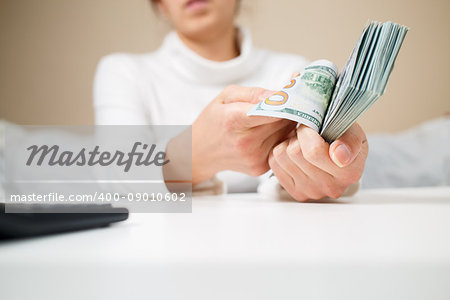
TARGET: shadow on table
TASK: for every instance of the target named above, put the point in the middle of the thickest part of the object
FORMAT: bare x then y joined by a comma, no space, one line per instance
439,195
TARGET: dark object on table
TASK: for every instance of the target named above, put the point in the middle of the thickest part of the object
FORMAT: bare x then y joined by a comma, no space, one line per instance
25,222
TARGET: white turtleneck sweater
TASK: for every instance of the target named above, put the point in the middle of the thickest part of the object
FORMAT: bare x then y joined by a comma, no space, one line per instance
172,85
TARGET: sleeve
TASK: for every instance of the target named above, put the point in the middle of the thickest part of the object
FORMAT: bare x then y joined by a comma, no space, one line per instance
117,96
119,100
209,187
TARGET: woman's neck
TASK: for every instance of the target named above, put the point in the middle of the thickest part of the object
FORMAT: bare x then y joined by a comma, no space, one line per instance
220,47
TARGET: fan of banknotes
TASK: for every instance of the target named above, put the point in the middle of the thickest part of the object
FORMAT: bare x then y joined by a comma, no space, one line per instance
329,103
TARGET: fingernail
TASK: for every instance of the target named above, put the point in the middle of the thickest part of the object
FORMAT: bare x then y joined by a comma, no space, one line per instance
341,155
266,95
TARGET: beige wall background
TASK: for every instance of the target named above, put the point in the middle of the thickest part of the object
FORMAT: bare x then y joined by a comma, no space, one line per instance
49,50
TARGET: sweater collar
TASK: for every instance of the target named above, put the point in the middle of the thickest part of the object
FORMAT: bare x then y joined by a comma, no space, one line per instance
199,69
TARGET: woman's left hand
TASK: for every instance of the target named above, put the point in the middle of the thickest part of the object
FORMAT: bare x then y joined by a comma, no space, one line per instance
309,168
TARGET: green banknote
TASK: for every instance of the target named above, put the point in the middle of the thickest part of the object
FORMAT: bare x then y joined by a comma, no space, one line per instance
305,99
330,104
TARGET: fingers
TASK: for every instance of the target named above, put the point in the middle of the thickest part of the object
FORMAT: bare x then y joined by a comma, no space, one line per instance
235,93
325,184
310,180
315,150
279,135
344,150
295,74
242,109
284,178
305,160
295,155
267,131
284,161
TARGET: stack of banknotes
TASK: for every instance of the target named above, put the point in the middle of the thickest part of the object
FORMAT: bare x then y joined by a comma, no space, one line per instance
329,103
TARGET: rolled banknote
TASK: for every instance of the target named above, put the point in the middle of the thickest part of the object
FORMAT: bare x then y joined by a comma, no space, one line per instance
305,99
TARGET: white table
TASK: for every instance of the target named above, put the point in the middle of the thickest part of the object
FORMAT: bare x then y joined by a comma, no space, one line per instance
381,244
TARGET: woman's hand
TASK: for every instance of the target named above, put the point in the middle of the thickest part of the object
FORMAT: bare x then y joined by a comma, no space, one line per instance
309,168
225,138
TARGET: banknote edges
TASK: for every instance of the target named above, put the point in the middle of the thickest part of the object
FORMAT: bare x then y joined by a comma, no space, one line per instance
329,103
305,99
365,78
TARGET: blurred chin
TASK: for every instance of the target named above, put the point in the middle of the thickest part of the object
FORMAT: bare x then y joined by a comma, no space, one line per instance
200,28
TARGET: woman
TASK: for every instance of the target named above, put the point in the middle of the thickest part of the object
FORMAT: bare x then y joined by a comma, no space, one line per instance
206,74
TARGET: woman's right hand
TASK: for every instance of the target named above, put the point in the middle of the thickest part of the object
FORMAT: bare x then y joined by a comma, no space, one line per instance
225,138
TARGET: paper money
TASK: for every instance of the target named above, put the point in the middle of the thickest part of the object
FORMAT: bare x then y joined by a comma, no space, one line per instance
329,105
305,99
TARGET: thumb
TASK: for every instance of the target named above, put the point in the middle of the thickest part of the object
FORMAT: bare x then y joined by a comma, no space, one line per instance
296,74
236,93
345,149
